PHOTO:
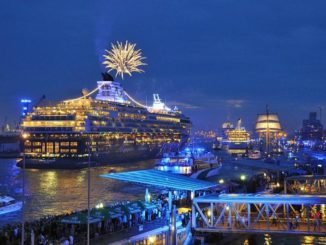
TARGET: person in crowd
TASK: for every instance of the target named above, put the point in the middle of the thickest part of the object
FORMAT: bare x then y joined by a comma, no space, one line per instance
274,219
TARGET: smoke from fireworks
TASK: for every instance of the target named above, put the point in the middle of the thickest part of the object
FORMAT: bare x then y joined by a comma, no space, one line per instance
123,58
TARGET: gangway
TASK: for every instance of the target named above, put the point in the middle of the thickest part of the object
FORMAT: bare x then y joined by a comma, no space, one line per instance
305,184
260,213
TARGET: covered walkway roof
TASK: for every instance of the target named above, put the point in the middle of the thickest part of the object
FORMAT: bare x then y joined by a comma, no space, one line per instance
161,179
263,198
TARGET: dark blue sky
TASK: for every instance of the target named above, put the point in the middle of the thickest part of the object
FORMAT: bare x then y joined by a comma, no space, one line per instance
215,59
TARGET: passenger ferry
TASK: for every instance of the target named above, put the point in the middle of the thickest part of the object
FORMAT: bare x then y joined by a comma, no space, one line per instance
179,163
109,127
9,204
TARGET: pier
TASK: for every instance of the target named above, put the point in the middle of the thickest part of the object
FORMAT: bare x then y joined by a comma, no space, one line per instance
236,213
256,213
305,184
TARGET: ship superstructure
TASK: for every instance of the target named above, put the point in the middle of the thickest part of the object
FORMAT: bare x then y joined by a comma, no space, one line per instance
109,127
238,135
238,140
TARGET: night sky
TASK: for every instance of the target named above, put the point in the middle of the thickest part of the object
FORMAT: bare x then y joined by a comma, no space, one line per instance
216,60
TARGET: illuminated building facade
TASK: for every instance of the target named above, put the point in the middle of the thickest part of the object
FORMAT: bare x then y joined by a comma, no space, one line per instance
113,127
312,129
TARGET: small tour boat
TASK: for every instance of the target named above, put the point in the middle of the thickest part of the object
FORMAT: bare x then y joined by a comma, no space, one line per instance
9,204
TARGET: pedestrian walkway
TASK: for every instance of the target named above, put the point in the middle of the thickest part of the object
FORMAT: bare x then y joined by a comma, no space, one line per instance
260,213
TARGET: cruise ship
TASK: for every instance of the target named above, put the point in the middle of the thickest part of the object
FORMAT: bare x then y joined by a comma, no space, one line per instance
101,127
238,140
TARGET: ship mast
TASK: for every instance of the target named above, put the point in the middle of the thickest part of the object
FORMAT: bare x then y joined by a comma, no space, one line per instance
267,129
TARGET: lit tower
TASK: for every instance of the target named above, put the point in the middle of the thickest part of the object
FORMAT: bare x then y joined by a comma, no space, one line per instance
25,106
268,127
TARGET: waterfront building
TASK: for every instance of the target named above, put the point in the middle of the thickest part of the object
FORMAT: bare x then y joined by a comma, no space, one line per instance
312,128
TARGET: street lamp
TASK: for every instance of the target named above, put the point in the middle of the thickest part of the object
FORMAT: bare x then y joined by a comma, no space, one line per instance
243,177
99,205
88,191
25,139
151,239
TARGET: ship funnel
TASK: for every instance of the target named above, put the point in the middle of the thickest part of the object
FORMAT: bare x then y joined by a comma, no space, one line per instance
239,124
107,77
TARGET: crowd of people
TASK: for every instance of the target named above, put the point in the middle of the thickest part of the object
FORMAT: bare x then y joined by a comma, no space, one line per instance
51,230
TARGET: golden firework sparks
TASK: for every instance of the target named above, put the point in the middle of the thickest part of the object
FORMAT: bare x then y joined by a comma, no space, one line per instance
123,58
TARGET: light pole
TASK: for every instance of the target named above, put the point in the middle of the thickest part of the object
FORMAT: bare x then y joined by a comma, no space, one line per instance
88,191
23,203
25,136
243,179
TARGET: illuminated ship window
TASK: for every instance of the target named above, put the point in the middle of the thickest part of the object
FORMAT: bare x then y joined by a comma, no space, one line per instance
168,119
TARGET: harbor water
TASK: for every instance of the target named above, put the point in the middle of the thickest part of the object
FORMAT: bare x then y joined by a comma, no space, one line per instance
53,192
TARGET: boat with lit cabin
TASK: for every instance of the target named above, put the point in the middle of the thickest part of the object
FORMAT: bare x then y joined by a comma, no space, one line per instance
9,204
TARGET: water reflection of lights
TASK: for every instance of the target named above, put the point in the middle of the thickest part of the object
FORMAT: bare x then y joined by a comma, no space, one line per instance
321,239
81,177
50,179
246,242
268,239
308,239
60,191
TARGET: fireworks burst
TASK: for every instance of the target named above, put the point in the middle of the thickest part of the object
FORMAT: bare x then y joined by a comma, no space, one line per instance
123,58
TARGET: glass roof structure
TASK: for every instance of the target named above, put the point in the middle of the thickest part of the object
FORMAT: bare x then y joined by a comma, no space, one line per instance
263,198
161,179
